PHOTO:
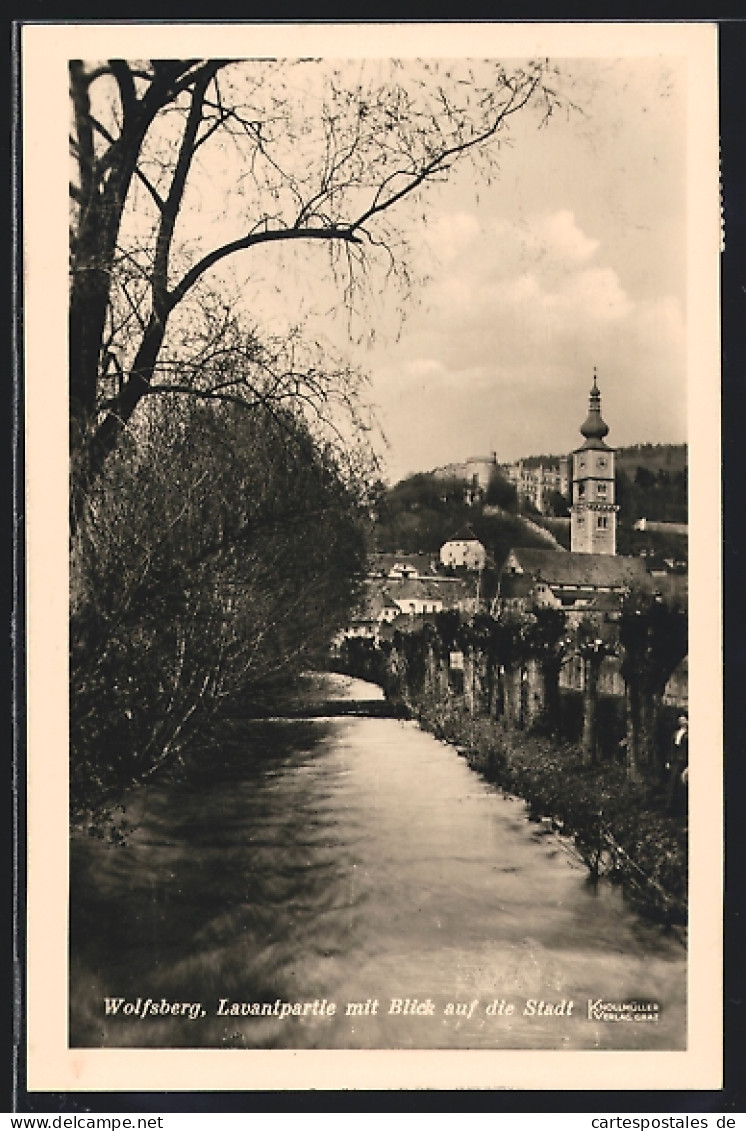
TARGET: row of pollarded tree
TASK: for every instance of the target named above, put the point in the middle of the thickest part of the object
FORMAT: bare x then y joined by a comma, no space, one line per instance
509,668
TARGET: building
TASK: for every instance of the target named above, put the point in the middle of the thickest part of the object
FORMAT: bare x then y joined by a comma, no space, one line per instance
574,582
680,528
475,474
400,566
593,511
393,595
479,471
535,483
463,550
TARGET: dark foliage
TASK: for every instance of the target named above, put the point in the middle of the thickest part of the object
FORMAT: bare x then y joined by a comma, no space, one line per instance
502,493
203,577
660,496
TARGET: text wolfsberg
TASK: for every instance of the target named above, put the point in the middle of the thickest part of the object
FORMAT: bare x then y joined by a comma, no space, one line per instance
151,1008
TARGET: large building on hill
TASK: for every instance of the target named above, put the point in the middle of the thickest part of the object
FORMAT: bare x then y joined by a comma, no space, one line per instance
536,482
475,474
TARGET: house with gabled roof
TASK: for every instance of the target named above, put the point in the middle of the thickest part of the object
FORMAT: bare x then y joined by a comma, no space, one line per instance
400,566
463,550
416,596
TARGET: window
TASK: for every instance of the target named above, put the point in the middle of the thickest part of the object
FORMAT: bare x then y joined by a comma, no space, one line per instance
603,522
601,488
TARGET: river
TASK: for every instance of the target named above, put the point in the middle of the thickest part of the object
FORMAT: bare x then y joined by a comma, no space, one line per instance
353,879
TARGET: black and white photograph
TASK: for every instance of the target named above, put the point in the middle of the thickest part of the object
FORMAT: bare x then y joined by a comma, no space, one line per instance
372,438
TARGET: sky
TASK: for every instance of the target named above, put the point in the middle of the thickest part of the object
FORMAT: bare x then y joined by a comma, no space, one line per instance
574,257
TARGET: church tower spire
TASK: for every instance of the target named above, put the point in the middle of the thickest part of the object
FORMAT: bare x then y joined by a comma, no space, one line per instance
593,512
594,426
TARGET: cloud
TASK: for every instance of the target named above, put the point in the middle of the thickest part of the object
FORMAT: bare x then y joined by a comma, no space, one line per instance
501,352
424,367
556,235
544,265
595,294
520,290
450,233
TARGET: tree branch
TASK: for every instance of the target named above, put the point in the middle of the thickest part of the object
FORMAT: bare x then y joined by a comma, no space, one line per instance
344,234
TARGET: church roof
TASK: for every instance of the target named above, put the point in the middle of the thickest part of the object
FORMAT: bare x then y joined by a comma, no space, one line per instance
562,568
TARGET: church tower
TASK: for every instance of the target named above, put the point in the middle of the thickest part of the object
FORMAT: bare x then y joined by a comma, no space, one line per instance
593,512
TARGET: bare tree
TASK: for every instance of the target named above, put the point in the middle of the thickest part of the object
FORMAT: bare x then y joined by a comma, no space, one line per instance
312,152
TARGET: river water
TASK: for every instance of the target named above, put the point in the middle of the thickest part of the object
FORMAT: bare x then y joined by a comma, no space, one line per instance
355,875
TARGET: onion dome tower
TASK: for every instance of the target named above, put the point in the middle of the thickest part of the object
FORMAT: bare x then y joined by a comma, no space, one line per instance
593,512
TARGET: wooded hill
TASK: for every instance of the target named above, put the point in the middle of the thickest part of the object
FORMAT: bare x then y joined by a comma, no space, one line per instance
651,481
422,512
655,457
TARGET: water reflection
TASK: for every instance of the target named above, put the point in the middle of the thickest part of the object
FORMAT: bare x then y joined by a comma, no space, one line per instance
353,860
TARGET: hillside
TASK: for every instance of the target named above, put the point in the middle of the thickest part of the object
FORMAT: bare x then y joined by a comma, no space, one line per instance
671,458
422,512
655,457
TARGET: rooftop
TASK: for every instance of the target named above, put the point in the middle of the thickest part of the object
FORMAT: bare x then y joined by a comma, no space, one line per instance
560,567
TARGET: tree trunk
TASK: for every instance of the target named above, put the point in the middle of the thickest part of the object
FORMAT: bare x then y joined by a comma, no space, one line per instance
534,692
495,688
469,680
106,436
515,696
590,709
500,694
643,712
633,754
550,676
649,715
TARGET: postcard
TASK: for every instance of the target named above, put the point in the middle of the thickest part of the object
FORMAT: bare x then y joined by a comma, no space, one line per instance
372,437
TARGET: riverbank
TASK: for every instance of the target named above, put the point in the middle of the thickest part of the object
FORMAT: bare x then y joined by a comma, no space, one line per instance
619,829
